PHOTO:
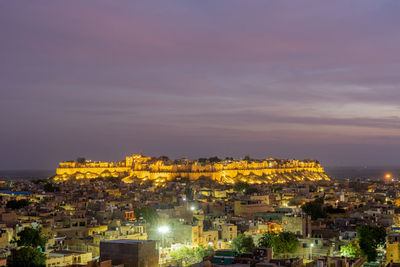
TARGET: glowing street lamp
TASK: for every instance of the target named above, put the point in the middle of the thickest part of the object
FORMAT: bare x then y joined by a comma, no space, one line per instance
163,230
192,208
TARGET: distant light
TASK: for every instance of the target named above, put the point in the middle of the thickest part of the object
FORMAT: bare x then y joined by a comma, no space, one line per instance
184,199
388,176
163,229
192,208
312,245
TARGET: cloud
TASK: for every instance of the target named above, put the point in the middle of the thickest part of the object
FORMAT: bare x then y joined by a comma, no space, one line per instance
106,78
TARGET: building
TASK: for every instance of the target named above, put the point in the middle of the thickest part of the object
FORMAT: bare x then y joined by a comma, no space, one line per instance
393,248
67,258
297,224
247,208
130,252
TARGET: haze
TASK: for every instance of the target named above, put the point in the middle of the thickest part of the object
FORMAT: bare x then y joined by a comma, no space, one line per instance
288,79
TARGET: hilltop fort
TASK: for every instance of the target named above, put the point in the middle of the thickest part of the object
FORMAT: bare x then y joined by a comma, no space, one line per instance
162,169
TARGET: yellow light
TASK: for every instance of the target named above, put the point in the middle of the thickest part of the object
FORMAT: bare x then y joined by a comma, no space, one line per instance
388,176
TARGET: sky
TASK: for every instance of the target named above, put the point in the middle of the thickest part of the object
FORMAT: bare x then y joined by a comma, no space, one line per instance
285,79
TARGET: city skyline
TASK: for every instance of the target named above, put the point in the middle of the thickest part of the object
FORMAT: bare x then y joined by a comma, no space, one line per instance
199,79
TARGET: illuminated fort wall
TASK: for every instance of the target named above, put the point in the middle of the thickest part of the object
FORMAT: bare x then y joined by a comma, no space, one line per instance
141,167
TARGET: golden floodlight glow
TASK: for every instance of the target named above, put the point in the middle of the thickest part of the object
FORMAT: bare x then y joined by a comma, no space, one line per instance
226,172
388,176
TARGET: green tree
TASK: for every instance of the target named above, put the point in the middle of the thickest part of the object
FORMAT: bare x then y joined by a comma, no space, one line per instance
31,237
49,187
351,250
81,160
214,159
369,238
241,187
314,209
17,204
331,210
26,257
285,242
242,243
148,213
188,193
251,190
164,158
202,251
184,255
202,161
188,256
39,181
267,240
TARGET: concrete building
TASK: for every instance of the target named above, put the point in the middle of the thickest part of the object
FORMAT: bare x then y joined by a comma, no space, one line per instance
297,224
131,253
67,258
393,248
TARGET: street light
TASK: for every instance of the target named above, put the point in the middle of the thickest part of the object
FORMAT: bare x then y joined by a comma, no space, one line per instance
312,245
163,230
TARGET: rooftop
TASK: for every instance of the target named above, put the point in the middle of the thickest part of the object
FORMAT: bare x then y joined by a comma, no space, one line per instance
127,241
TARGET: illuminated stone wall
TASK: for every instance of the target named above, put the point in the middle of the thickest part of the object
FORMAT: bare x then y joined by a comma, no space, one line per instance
146,168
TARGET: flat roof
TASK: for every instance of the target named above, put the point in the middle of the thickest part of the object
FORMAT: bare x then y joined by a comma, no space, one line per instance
126,241
61,253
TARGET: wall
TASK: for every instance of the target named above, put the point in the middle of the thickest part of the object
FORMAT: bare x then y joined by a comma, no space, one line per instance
268,171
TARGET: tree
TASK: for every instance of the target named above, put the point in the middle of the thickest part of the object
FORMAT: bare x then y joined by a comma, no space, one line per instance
148,213
202,251
369,237
202,161
27,257
81,160
31,237
49,187
251,190
267,240
184,255
39,181
285,242
241,187
188,256
17,204
242,243
188,193
281,243
351,250
214,159
315,209
331,210
164,158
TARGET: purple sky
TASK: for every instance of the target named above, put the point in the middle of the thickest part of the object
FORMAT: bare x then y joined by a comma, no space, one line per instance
291,79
